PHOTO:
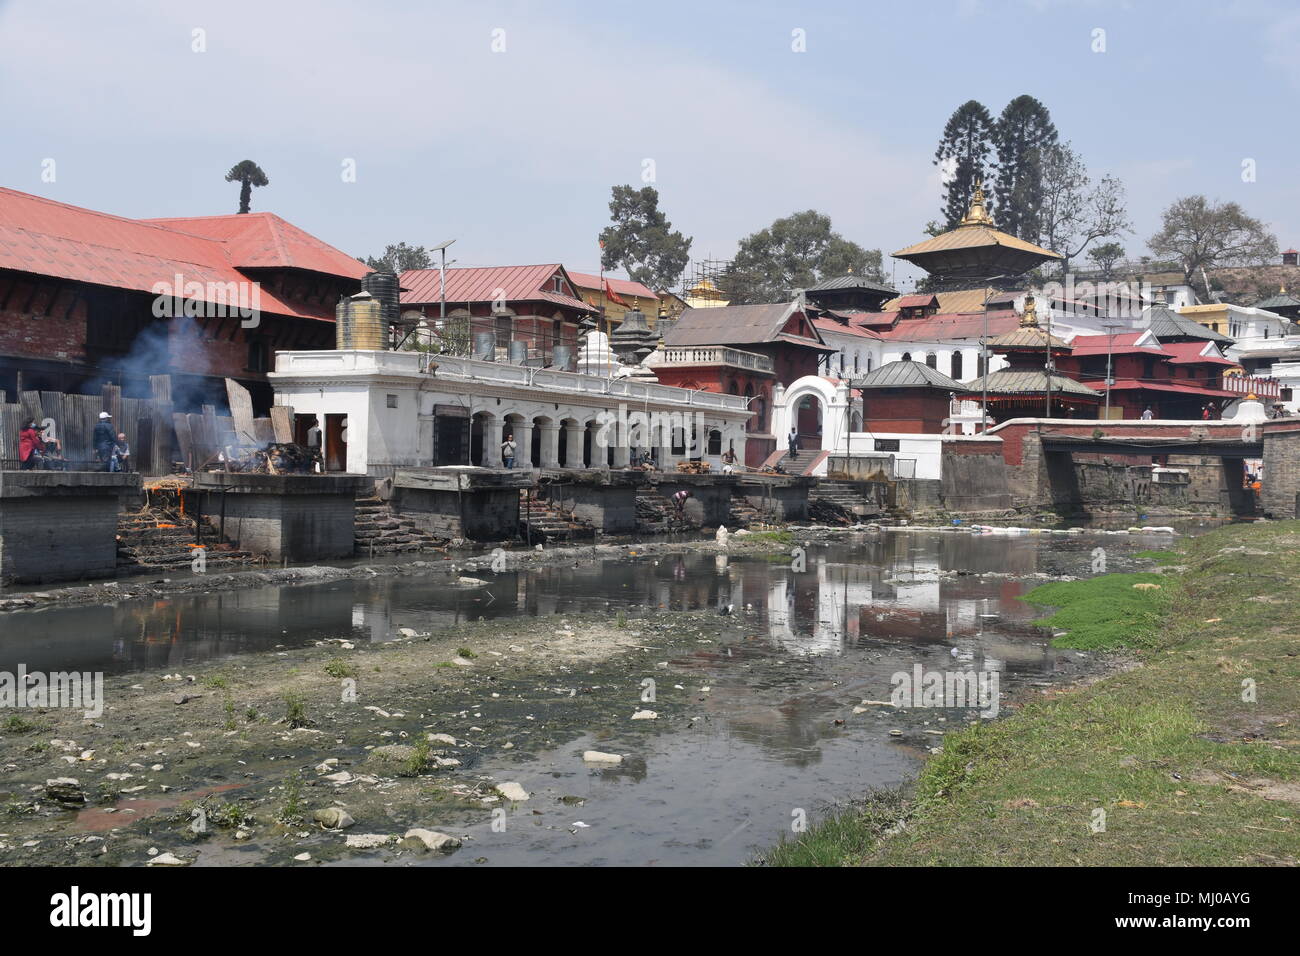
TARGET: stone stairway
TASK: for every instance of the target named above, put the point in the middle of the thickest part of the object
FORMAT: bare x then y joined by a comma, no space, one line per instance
541,522
656,514
150,540
800,464
838,502
742,514
378,530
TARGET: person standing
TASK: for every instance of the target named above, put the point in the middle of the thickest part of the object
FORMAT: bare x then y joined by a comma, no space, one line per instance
103,439
508,448
729,460
30,447
792,440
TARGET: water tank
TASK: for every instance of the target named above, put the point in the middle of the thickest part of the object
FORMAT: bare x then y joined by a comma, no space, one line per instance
518,352
384,287
485,346
360,324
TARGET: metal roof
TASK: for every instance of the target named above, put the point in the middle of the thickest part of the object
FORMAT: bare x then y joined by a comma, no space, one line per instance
737,325
1026,337
971,237
1283,300
1166,323
585,280
491,284
1028,381
850,282
906,374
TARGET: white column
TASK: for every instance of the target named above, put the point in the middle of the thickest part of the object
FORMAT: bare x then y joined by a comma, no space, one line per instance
492,443
550,439
573,446
620,435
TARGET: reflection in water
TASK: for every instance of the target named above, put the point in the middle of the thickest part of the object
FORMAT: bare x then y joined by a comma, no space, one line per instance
892,588
774,732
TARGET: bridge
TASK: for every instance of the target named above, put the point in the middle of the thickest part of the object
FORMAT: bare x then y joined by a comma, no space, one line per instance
1081,465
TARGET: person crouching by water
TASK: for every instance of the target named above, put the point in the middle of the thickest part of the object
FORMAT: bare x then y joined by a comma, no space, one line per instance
31,449
103,439
120,459
680,500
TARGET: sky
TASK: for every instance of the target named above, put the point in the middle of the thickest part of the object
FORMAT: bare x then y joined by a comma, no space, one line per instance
504,125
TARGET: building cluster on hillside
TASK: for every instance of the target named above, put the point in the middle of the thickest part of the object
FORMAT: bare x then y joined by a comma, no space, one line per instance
539,353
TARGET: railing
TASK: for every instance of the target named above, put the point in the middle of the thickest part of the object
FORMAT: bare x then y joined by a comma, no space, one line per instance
716,355
1248,384
496,373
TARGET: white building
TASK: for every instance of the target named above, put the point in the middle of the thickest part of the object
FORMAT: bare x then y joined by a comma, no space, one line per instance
378,411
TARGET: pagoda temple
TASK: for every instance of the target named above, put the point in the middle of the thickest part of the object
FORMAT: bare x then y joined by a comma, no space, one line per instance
975,253
1030,385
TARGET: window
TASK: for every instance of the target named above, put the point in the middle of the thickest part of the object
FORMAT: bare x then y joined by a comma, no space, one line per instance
715,442
392,401
956,366
932,360
257,356
907,356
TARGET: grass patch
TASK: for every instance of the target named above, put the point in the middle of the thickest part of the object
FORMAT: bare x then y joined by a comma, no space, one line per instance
1107,611
295,711
1162,558
18,724
338,668
1186,772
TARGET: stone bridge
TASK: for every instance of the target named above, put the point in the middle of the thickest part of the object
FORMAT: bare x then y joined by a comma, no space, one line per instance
1078,465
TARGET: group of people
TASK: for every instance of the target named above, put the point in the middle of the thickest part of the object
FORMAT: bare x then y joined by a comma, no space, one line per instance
36,450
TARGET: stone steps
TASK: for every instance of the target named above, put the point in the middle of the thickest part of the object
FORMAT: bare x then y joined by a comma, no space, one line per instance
166,542
377,529
541,522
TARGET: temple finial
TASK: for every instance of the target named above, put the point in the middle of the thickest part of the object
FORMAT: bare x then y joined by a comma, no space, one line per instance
978,214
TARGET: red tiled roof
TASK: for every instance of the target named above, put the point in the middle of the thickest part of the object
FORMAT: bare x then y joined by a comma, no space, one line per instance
1189,353
844,328
585,280
262,240
488,284
916,301
1131,384
48,238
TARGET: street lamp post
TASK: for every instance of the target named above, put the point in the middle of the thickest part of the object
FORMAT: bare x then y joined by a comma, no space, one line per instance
1110,348
442,287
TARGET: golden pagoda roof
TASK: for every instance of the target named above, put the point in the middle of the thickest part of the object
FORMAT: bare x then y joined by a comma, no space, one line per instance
975,231
1030,335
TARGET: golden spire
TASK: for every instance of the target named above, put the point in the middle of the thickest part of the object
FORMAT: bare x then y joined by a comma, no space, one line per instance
978,215
1029,318
1282,290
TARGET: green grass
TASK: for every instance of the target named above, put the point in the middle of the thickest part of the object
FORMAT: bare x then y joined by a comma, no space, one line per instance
1168,750
1106,611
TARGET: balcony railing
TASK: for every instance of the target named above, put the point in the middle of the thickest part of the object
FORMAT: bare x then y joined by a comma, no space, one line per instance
1262,388
716,355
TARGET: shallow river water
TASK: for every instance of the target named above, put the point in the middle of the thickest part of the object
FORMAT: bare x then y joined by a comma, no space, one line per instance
775,737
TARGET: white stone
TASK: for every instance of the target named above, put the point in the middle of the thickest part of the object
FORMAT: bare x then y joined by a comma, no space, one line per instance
168,859
512,791
367,841
596,756
645,715
432,839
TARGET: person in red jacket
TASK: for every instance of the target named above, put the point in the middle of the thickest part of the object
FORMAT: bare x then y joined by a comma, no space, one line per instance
31,450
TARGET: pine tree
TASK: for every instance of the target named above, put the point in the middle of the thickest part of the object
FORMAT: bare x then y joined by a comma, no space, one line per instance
963,155
1024,132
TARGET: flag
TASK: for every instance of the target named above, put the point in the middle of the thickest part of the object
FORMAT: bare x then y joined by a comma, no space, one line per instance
612,296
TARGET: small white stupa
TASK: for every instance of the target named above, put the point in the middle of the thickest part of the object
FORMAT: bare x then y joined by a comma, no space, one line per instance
596,358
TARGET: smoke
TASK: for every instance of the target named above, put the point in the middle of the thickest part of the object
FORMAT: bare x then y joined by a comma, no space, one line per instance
162,346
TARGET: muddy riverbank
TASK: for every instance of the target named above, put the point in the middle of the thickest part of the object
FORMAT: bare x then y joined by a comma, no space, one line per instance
760,713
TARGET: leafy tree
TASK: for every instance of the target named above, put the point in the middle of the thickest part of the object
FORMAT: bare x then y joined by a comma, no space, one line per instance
248,174
794,253
1106,255
1024,133
963,155
1201,234
399,258
1074,211
641,241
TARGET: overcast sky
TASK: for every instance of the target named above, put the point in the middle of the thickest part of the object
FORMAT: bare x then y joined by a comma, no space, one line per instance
513,153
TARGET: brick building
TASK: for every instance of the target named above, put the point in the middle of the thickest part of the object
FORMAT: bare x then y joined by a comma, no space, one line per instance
89,298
